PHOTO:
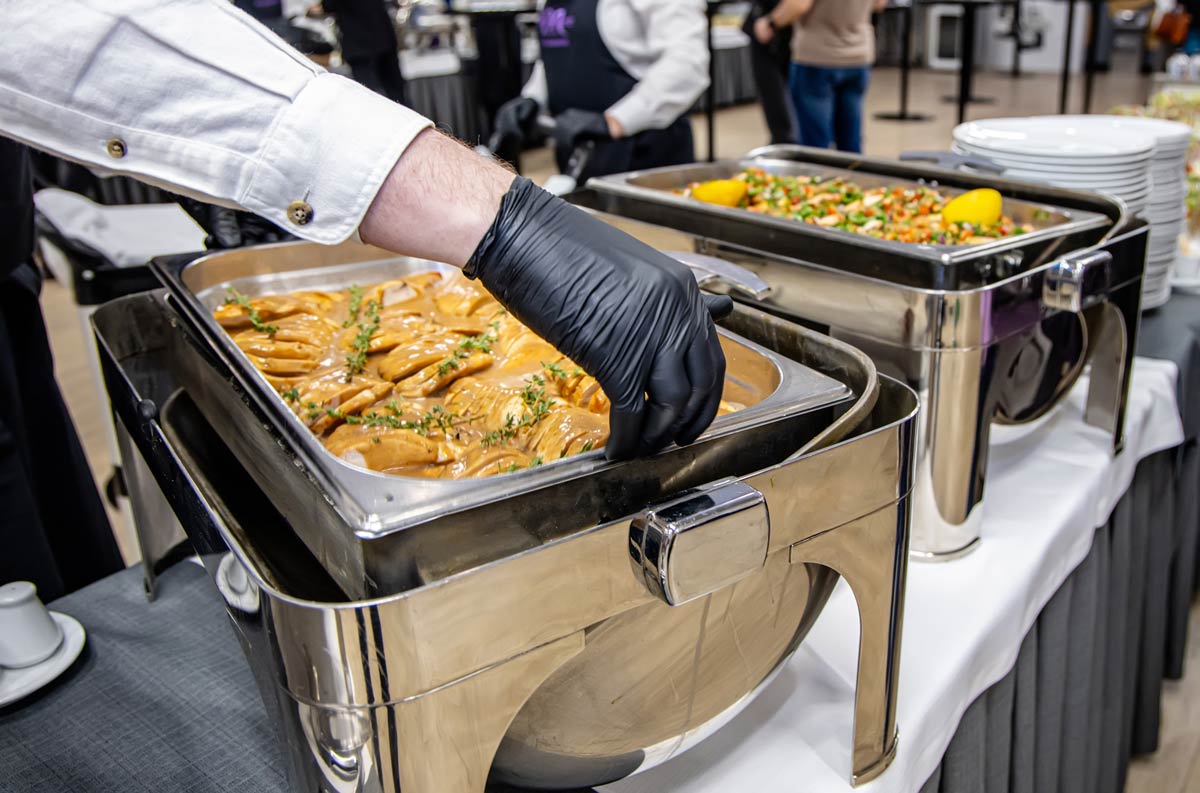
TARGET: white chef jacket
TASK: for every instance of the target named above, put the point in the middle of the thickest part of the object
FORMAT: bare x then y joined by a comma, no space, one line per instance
661,43
197,97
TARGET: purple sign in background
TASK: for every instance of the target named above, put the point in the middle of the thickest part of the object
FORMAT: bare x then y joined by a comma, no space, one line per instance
554,24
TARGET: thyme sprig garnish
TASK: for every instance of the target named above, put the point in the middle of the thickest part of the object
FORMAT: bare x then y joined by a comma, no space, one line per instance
356,294
356,361
479,343
537,407
514,467
236,297
291,395
556,371
436,418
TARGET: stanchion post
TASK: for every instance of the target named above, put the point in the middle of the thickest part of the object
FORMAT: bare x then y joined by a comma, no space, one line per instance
710,9
1064,88
905,68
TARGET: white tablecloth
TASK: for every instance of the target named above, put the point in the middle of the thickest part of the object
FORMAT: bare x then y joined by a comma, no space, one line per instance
1047,491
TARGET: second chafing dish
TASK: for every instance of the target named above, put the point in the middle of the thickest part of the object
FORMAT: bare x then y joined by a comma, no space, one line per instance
378,533
991,332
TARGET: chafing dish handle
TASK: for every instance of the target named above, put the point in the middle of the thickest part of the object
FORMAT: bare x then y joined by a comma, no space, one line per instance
702,541
710,269
1077,283
953,160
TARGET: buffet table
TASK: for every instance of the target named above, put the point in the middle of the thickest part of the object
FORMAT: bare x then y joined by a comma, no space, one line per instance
163,699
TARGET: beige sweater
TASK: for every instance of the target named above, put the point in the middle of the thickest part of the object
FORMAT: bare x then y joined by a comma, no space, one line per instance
835,33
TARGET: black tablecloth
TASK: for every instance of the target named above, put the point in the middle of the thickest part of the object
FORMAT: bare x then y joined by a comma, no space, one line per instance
161,700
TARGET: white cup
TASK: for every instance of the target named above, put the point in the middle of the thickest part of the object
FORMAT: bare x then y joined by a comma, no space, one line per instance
28,634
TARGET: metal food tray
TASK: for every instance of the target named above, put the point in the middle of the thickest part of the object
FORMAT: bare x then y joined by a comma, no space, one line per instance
649,196
374,505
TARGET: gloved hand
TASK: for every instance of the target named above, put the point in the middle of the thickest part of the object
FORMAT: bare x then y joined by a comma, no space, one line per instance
631,317
516,117
572,127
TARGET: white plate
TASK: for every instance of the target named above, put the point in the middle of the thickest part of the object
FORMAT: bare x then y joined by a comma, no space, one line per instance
1169,136
18,683
1055,137
1190,286
1053,165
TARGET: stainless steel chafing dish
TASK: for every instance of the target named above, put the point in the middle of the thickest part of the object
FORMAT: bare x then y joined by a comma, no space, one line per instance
576,626
991,332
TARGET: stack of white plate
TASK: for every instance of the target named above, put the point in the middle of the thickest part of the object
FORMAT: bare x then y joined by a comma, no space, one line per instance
1139,160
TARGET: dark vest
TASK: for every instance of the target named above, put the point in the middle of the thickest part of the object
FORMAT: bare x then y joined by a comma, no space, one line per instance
16,206
580,71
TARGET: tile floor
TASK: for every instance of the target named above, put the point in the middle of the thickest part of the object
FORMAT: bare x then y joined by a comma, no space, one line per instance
1175,768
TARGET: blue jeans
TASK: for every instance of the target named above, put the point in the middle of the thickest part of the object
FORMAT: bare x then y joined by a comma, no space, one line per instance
829,104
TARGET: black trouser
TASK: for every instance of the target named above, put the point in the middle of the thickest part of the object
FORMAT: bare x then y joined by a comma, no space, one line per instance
380,73
771,79
53,528
651,148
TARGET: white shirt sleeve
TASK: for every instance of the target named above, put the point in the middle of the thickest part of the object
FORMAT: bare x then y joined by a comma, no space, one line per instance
195,96
667,54
535,87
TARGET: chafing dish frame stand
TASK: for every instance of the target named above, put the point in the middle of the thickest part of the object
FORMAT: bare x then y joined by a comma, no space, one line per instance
363,710
949,345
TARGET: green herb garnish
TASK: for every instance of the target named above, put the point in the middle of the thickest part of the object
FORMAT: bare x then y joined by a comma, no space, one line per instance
356,294
291,395
236,297
356,361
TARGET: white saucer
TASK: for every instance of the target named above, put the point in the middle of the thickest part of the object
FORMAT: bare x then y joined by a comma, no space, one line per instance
18,683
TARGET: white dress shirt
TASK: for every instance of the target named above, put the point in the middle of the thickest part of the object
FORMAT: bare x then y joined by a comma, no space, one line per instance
661,43
197,97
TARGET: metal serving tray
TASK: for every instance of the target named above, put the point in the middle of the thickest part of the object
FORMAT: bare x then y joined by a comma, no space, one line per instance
1071,223
341,507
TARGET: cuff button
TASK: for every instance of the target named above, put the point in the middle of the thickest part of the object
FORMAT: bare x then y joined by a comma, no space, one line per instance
300,213
116,148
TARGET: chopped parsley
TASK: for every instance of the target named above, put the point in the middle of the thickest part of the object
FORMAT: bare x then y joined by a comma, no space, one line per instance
237,298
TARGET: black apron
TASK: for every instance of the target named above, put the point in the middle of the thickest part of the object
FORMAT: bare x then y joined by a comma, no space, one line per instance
581,73
53,527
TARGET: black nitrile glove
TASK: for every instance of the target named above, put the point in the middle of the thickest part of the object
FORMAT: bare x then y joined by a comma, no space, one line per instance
572,127
516,117
631,317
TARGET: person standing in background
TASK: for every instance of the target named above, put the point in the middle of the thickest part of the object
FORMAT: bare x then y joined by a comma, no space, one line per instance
620,75
369,47
770,62
833,47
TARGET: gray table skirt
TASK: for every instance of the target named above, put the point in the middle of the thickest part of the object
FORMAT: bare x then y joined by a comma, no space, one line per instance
1084,694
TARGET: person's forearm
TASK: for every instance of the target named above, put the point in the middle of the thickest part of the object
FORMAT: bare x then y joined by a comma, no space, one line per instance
789,12
437,202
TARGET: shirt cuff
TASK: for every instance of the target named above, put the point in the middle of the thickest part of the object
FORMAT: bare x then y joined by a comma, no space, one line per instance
326,156
633,113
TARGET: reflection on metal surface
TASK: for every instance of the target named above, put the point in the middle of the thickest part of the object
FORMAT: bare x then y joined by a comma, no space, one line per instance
554,665
994,332
1074,283
700,542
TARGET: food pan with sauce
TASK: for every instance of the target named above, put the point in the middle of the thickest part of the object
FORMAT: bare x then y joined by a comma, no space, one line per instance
430,467
424,375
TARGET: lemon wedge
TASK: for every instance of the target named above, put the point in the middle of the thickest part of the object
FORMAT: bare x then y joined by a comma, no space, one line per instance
980,207
723,192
